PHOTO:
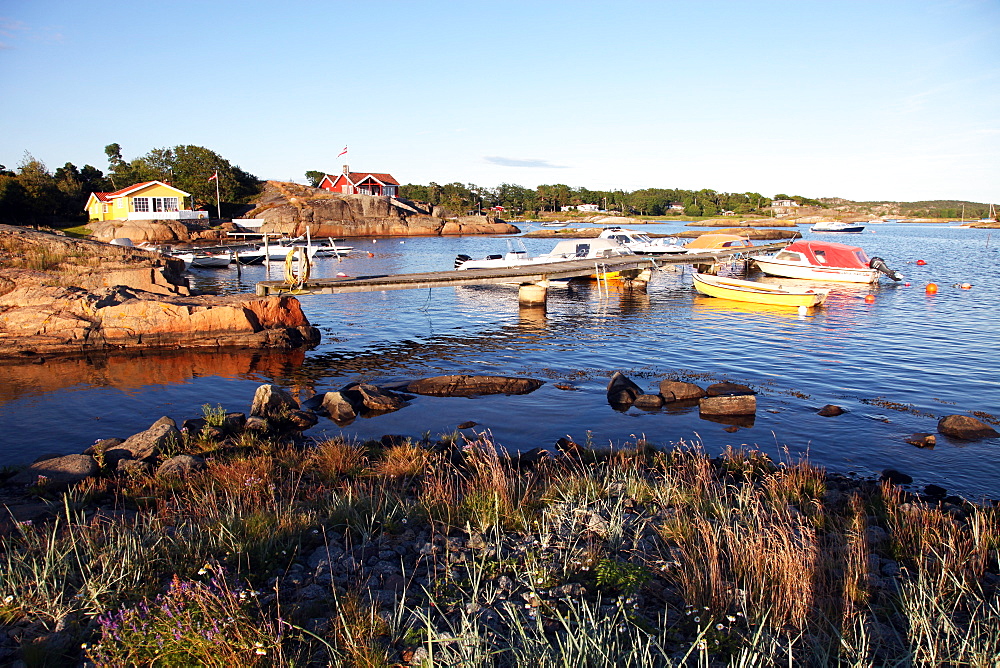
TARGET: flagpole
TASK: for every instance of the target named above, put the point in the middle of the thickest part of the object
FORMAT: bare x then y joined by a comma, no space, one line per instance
218,202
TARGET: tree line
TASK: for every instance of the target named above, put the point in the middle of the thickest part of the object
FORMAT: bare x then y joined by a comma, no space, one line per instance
647,201
30,194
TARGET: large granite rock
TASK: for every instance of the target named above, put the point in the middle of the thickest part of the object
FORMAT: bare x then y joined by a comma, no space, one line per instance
37,319
63,295
290,209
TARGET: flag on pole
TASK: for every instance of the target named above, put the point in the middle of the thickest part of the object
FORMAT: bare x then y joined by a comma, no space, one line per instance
344,152
214,177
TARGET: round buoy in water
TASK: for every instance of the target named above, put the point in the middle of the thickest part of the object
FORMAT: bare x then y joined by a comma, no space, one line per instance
921,262
966,286
869,299
906,285
341,274
371,254
931,288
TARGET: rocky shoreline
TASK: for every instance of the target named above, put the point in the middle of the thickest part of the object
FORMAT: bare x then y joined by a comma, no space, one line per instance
427,531
63,296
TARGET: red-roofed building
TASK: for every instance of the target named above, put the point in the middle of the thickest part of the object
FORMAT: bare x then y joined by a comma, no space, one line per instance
149,200
361,183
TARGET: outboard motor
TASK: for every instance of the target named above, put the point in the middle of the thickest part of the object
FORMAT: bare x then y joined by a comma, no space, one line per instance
878,264
461,259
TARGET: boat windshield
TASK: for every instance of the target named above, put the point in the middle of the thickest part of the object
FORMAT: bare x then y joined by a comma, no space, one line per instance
862,258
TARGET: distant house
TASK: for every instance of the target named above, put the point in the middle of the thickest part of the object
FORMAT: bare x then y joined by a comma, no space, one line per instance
580,207
784,202
149,200
676,206
728,213
361,183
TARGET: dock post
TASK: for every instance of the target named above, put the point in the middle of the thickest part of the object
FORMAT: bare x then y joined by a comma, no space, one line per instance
532,295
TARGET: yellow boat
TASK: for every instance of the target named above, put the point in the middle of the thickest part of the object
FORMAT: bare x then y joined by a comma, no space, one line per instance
759,293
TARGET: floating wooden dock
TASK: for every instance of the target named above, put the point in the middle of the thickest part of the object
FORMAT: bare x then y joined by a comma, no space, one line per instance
533,275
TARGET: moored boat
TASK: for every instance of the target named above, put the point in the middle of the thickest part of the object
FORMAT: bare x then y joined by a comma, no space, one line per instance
759,293
826,261
837,226
711,241
564,251
641,243
205,259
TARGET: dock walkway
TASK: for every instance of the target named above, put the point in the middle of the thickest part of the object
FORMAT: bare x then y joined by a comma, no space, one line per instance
526,274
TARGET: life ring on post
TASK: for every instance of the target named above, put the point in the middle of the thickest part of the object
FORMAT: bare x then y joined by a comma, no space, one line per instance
291,278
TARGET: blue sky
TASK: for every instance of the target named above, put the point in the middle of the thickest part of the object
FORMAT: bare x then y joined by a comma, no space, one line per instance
896,100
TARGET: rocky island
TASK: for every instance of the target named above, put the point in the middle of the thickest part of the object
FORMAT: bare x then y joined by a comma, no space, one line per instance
290,209
60,295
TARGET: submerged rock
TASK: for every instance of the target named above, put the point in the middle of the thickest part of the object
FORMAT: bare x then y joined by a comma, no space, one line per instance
965,427
469,386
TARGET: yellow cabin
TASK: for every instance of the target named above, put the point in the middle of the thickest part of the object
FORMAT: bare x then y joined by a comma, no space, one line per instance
150,200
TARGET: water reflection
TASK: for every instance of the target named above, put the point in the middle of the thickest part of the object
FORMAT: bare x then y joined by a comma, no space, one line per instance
139,370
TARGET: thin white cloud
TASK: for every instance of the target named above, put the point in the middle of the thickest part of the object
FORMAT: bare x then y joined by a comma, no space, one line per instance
521,162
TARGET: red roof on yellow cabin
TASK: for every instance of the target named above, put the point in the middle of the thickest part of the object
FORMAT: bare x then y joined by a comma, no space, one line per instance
105,197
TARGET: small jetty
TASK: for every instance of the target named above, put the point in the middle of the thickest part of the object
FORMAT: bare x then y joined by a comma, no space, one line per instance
532,278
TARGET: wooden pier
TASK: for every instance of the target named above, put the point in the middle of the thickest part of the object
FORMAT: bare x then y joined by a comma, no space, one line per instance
532,278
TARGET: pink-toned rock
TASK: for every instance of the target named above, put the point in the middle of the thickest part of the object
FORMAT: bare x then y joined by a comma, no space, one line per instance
737,404
289,208
675,390
965,427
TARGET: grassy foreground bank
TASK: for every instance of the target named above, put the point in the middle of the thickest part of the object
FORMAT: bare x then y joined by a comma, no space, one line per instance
451,553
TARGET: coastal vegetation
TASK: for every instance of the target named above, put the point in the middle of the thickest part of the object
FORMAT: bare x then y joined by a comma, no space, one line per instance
31,194
448,551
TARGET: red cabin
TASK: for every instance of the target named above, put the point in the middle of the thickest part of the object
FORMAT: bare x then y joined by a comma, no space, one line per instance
361,183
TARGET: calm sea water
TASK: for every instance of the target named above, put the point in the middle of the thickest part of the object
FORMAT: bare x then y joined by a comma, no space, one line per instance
896,365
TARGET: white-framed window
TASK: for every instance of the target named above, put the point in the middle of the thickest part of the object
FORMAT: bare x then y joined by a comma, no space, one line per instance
164,204
140,204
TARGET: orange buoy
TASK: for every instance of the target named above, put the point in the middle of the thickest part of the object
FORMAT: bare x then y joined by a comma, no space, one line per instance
906,285
921,262
869,299
371,254
966,286
931,288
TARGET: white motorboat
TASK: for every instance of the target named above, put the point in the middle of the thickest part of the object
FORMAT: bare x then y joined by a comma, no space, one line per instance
280,248
837,226
641,243
249,256
826,261
568,249
204,259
